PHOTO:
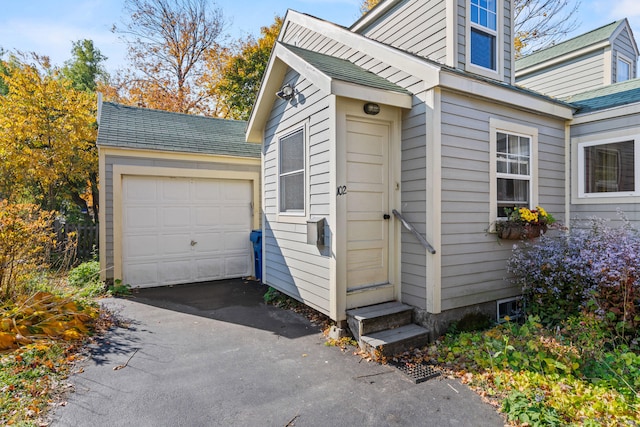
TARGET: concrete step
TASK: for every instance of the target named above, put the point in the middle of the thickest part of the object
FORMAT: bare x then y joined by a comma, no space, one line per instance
379,317
392,341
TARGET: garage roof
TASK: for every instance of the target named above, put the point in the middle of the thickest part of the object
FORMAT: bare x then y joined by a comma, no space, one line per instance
141,128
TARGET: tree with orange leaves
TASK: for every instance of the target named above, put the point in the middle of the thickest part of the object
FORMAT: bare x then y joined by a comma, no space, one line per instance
167,42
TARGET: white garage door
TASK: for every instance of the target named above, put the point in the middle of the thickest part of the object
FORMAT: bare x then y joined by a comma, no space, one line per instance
184,230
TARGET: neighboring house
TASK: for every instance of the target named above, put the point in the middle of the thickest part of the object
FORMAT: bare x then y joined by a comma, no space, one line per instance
179,197
415,110
605,153
601,57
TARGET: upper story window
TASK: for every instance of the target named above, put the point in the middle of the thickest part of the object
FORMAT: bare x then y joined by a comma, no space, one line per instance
292,173
484,33
623,69
608,168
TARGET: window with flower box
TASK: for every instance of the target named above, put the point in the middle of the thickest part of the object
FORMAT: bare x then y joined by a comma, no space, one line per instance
513,167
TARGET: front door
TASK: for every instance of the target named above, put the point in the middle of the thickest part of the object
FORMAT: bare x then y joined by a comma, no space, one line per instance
367,263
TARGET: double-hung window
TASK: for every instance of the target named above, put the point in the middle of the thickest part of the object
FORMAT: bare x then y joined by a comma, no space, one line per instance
609,168
484,33
513,167
292,173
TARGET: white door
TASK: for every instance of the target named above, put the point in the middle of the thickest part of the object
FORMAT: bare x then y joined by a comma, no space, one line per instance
367,205
184,230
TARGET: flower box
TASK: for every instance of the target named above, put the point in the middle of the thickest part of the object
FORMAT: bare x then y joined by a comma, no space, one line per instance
523,223
515,231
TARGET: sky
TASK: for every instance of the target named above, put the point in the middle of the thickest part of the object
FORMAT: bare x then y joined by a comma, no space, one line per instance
48,27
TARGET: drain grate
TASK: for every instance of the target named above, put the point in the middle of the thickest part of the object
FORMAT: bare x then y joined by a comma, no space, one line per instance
417,372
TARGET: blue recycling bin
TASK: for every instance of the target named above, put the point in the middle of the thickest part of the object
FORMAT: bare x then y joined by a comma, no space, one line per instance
256,239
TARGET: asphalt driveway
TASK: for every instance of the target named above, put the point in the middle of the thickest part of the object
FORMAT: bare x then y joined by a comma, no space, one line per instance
214,354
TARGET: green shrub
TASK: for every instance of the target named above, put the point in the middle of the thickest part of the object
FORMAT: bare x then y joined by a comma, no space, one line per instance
85,274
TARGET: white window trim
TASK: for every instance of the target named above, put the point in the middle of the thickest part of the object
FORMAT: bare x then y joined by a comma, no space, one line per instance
498,73
623,58
579,194
495,126
298,217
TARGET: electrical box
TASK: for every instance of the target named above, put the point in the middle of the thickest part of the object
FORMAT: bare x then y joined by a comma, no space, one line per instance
315,231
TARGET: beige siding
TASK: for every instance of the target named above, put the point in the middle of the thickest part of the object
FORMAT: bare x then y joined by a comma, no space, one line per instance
295,267
577,75
474,261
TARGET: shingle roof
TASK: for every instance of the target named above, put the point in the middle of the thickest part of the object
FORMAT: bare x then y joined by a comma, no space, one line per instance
343,70
615,95
141,128
568,46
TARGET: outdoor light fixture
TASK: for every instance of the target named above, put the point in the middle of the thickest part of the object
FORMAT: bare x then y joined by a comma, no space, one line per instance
371,108
286,92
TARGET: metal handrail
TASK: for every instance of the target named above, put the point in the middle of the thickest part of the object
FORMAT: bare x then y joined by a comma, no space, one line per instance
415,232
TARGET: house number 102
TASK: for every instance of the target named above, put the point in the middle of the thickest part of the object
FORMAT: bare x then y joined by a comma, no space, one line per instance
342,190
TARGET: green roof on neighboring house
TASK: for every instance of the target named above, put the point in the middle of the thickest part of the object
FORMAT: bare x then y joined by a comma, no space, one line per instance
568,46
343,70
615,95
142,128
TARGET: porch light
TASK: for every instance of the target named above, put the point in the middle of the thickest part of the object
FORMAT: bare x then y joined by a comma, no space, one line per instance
286,92
371,108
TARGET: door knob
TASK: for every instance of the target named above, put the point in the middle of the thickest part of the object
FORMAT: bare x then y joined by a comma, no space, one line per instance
386,216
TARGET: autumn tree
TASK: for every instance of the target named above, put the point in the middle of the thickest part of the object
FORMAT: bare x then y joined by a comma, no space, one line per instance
85,69
538,23
47,136
167,41
242,72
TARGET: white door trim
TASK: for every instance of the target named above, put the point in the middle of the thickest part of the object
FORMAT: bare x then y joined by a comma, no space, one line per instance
391,116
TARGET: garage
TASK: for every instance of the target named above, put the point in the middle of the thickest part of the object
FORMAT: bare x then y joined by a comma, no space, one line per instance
185,230
180,195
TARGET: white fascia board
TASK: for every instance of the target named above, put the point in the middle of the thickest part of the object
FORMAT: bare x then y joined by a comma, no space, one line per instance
623,26
408,63
370,94
274,74
609,113
504,95
562,58
372,16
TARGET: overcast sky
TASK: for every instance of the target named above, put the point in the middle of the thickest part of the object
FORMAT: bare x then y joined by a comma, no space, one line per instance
48,27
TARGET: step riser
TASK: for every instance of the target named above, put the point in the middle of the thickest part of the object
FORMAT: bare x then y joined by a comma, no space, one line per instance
376,324
390,349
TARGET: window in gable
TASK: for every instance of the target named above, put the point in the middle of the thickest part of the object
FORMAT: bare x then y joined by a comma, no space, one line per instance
292,173
608,169
483,33
623,69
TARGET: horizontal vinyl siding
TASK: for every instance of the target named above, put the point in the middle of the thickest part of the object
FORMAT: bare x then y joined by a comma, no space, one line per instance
124,160
413,204
575,76
624,46
413,157
474,261
293,266
581,212
415,26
